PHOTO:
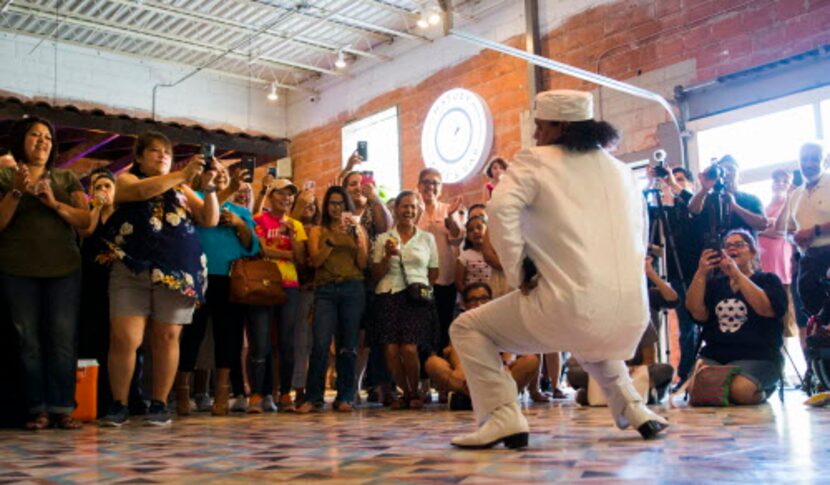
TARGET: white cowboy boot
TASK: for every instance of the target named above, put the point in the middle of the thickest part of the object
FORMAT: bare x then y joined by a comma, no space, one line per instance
624,402
506,424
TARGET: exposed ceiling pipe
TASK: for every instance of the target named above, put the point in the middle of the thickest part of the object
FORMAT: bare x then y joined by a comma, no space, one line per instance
578,73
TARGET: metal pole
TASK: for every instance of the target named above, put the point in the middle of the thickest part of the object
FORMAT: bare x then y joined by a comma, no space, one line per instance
577,73
533,45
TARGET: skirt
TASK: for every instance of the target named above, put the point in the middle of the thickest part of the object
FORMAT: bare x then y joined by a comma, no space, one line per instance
396,320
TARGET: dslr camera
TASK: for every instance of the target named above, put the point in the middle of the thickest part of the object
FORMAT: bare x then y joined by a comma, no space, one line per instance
660,169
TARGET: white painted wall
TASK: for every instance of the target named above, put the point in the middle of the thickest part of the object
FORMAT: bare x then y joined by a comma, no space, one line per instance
119,84
415,60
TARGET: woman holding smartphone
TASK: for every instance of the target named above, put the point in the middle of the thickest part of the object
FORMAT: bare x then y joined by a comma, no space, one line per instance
741,312
339,250
282,239
41,207
160,271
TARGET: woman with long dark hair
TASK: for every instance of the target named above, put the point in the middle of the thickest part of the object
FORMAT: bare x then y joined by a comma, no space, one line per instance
339,250
40,269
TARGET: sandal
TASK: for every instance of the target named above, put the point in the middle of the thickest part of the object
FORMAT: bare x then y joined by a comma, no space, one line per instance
65,421
39,422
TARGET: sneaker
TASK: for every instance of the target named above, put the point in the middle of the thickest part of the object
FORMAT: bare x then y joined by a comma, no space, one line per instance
138,407
255,404
240,404
203,403
117,416
268,404
158,415
286,404
460,402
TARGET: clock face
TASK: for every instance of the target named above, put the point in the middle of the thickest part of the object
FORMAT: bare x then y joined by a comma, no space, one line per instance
457,135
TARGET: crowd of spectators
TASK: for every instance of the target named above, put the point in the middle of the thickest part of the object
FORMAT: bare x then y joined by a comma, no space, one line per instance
137,269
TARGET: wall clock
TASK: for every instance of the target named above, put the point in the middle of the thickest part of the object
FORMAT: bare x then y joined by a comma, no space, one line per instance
457,135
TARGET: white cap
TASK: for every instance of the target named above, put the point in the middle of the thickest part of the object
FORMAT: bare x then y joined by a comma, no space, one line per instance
563,105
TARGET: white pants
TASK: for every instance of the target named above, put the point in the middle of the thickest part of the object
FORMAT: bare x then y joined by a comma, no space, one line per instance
479,335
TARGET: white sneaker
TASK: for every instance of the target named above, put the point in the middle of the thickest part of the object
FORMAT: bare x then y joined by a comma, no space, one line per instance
268,405
239,404
203,403
507,424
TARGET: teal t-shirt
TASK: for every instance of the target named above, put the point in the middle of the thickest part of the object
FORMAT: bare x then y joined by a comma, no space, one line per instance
220,244
37,242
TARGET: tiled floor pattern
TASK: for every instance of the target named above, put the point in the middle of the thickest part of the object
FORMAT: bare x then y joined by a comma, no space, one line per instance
772,443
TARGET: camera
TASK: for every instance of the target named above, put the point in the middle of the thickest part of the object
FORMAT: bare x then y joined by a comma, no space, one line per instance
660,169
714,172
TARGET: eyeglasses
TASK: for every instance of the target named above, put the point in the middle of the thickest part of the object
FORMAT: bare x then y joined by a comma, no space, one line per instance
736,245
482,299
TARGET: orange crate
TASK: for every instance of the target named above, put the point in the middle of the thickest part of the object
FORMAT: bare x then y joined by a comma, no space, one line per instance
86,390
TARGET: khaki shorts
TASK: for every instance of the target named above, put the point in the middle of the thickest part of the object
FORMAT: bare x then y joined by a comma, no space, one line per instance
135,295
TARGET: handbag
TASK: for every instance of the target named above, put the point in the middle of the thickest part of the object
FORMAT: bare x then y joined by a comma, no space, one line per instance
639,375
256,281
417,293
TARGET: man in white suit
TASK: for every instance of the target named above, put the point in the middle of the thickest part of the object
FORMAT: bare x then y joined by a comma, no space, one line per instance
568,223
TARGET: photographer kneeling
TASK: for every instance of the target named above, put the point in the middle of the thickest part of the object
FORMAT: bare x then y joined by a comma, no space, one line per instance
741,312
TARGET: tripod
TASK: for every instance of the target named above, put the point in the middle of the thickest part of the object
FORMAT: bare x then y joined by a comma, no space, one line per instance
662,232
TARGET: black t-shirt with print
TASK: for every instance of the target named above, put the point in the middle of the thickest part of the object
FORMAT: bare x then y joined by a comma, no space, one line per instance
734,331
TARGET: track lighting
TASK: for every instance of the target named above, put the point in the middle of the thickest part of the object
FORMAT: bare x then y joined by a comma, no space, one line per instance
273,96
340,63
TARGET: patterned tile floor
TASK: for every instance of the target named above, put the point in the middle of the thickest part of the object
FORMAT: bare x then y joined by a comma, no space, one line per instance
771,443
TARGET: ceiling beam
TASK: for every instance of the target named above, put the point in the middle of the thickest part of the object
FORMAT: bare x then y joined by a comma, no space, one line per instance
242,28
218,72
100,24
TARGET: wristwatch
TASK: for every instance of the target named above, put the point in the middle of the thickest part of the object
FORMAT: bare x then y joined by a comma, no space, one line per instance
817,230
210,190
17,194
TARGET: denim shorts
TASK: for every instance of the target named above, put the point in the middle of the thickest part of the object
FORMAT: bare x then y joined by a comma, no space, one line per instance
765,374
135,295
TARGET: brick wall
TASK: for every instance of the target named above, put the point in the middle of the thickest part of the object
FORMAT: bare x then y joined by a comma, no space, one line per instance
656,44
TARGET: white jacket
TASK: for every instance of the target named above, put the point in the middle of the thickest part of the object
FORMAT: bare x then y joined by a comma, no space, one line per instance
581,218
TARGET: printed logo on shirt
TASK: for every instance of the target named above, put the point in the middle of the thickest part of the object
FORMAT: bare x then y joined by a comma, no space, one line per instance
732,314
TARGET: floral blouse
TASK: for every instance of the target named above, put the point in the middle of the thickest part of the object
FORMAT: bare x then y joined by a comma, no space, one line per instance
158,236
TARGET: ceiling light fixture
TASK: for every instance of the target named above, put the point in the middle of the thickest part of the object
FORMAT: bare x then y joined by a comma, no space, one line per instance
422,22
340,63
434,17
273,96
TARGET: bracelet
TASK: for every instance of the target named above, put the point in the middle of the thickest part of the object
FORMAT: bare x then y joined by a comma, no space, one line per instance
17,194
210,190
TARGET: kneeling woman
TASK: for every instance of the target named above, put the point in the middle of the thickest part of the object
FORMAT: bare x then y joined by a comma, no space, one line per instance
741,311
403,256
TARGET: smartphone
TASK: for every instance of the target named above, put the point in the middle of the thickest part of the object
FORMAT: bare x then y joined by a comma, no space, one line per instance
309,185
367,178
798,179
248,163
272,171
208,151
363,150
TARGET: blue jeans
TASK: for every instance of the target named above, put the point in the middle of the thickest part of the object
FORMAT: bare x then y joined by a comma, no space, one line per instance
44,313
689,334
338,309
259,321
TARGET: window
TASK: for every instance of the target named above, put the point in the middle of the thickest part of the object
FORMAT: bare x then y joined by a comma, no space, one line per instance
763,137
381,133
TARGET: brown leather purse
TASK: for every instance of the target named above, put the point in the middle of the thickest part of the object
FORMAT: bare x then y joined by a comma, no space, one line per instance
256,281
